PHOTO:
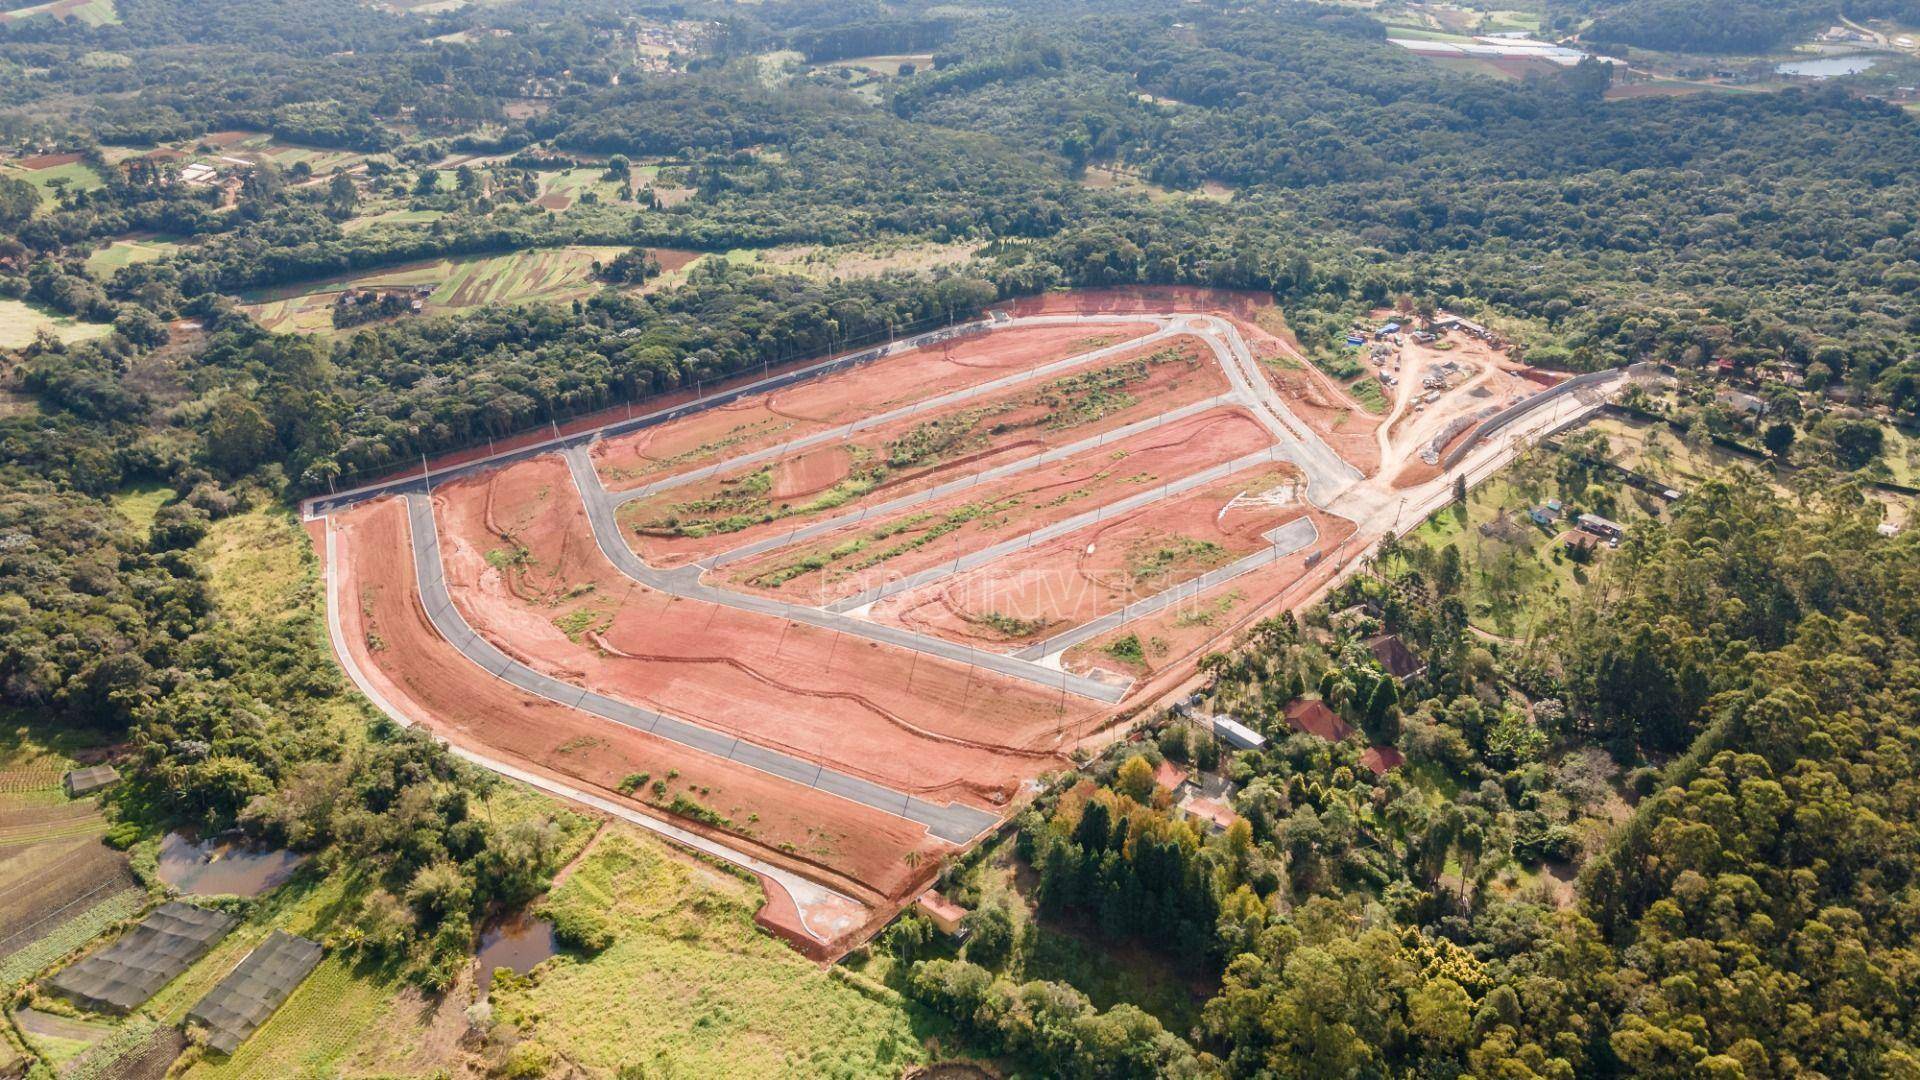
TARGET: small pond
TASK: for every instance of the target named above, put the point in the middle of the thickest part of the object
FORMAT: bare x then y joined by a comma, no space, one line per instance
227,865
1828,67
516,942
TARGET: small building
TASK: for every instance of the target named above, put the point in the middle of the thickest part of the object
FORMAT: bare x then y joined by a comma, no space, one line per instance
1582,541
90,779
1554,507
1381,760
1541,515
1395,658
1745,404
1887,528
1390,328
1218,816
1354,341
1312,716
1237,735
1601,527
942,912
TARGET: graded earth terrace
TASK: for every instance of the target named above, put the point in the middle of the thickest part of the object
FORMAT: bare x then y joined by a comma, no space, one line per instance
832,626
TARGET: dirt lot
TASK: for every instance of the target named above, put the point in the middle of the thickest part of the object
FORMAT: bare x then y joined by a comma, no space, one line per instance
743,506
854,559
1079,577
763,420
1317,399
860,849
550,598
1172,639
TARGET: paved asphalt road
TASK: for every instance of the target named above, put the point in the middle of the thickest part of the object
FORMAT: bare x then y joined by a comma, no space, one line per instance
951,822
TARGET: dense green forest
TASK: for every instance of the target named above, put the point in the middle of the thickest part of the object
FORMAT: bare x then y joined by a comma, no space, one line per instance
1720,729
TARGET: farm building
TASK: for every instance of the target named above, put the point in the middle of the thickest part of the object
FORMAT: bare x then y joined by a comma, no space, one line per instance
943,912
121,976
1312,716
250,993
1236,734
90,779
1601,527
1395,658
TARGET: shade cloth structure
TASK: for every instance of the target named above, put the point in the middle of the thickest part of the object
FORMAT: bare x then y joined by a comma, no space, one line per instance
167,942
250,993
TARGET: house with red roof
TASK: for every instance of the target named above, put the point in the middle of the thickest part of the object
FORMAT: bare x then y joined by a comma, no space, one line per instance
1312,716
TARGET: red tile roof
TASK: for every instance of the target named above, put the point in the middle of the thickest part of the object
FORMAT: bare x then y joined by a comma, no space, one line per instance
1381,760
1312,716
1169,776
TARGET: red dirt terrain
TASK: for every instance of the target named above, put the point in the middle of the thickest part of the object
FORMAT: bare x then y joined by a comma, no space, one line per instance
422,674
988,431
1172,638
869,553
797,411
548,597
1316,398
1079,577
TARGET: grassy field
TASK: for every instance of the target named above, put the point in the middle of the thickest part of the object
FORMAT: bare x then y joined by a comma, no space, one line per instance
851,260
21,321
74,176
1658,451
565,187
1512,584
123,253
690,987
140,504
393,217
531,276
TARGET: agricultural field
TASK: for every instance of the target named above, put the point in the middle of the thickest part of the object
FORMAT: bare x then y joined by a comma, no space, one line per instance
862,573
51,173
90,12
22,321
455,285
60,886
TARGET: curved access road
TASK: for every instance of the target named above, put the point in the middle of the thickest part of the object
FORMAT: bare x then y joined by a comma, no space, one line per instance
953,822
821,908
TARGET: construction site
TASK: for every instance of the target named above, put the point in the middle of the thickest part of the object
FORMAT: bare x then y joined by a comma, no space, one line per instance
835,625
